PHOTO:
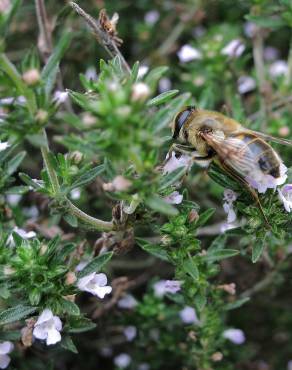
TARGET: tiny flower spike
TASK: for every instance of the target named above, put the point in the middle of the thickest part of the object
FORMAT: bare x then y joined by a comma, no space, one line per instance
5,348
229,197
285,196
235,336
188,316
95,284
48,327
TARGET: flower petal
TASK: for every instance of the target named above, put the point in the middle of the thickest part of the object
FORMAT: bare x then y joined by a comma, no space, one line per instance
4,361
53,337
46,315
57,323
6,347
100,279
40,332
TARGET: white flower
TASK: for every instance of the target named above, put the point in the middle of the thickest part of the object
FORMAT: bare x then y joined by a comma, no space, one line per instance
172,163
289,365
187,53
122,361
229,197
140,91
279,68
95,284
48,327
172,286
91,74
143,366
60,96
225,226
13,199
285,196
75,193
151,17
159,288
174,198
270,53
130,332
261,182
142,71
250,29
22,233
127,302
245,84
5,348
188,315
4,146
235,336
164,84
233,49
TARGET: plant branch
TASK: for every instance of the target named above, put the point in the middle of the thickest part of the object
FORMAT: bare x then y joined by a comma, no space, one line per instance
102,36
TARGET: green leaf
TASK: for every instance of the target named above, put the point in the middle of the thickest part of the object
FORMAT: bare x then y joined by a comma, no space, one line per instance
273,22
17,190
153,249
50,70
190,267
14,163
218,243
236,304
154,76
257,249
96,264
65,251
71,219
134,72
204,217
87,177
69,307
29,181
162,98
68,344
15,313
200,301
10,335
80,325
172,178
218,255
159,205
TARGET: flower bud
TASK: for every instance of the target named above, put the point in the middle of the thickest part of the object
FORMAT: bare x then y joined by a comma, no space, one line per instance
88,120
31,77
70,278
217,356
140,91
41,116
76,157
193,216
120,183
228,288
284,131
70,298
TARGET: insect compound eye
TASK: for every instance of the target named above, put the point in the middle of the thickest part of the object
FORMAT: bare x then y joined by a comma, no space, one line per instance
181,119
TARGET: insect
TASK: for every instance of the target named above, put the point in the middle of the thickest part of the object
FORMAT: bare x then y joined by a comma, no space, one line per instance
243,154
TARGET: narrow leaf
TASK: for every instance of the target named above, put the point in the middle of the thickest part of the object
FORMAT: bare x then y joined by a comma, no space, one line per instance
153,249
158,204
96,264
162,98
15,313
88,176
190,267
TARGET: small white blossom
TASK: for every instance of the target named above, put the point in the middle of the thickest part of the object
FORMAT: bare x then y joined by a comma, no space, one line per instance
262,182
233,49
75,193
250,29
13,199
127,302
289,365
172,162
245,84
4,146
24,234
48,327
95,284
130,332
140,91
151,17
91,74
60,96
235,336
188,315
285,196
279,68
143,366
5,348
187,53
142,71
174,198
229,197
122,361
164,84
270,53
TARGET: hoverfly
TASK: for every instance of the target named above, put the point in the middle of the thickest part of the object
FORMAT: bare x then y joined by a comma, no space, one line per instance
241,153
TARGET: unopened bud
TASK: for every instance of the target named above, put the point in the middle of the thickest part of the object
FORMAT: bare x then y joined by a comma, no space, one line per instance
166,240
31,77
108,186
70,298
228,288
284,131
43,249
120,183
88,120
76,156
140,91
192,335
193,216
41,116
70,278
217,356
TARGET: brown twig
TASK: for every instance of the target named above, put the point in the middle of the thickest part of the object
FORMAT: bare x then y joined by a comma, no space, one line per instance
104,34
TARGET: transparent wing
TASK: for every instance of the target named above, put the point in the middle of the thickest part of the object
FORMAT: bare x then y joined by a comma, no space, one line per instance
269,137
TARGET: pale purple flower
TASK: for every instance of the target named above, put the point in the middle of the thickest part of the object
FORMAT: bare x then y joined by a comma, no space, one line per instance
245,84
225,226
234,48
21,100
151,17
4,145
270,53
60,96
159,288
91,74
95,284
122,361
130,332
5,348
13,199
24,234
262,182
174,198
229,197
187,53
285,196
81,265
279,68
75,193
127,302
188,315
235,336
48,327
162,287
172,162
164,84
143,366
289,365
250,29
